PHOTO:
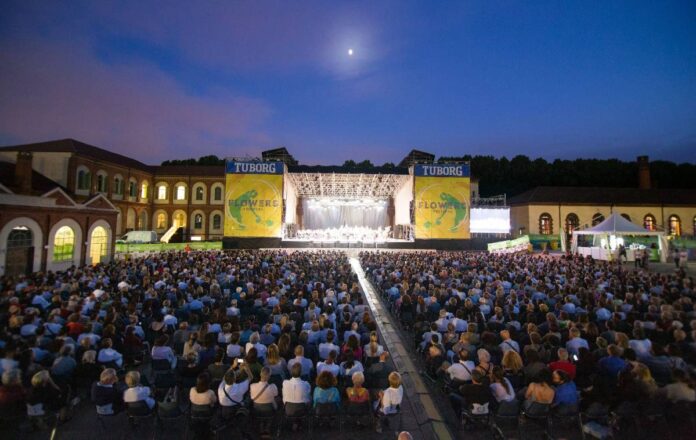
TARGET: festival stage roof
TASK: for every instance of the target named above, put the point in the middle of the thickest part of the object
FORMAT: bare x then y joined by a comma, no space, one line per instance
343,185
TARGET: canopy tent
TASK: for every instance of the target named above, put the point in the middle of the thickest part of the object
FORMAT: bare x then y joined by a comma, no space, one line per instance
616,225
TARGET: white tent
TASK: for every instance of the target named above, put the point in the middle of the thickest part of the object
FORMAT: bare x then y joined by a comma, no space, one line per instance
616,225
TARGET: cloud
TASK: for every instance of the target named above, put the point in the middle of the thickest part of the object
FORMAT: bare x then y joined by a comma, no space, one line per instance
54,90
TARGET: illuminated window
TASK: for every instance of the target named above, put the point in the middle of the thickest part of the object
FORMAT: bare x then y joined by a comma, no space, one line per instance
572,223
64,244
161,221
597,219
545,224
162,192
199,193
649,222
180,192
674,225
143,190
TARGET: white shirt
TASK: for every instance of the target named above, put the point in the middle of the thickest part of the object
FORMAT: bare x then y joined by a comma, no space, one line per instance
207,398
391,398
234,351
236,391
136,394
459,372
267,396
508,345
110,355
296,390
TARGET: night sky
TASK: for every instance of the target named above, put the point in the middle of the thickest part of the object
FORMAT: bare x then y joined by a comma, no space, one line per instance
557,79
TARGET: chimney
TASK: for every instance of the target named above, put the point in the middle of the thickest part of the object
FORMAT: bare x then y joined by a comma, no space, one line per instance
23,171
643,172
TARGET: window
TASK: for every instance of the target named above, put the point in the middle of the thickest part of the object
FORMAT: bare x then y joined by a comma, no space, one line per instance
118,185
161,221
199,193
84,180
144,190
198,221
162,192
102,183
572,223
217,194
545,224
217,221
64,244
180,192
626,216
649,222
674,225
132,189
597,219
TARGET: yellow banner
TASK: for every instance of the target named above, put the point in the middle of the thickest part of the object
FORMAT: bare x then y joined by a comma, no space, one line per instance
253,205
442,207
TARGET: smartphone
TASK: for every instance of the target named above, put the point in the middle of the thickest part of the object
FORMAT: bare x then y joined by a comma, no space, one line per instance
240,361
575,357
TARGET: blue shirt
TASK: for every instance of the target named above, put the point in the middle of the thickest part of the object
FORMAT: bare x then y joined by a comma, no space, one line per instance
566,394
329,395
611,366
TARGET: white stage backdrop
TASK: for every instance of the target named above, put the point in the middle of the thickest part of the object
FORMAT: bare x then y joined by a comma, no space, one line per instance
317,215
490,220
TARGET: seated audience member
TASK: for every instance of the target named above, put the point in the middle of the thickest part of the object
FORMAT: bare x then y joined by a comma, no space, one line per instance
539,391
306,365
135,392
106,394
326,391
276,364
234,387
161,351
350,365
563,363
459,372
357,393
263,392
484,365
44,395
501,388
217,369
389,400
329,365
325,348
473,397
565,392
681,390
201,394
108,356
12,393
513,368
64,365
296,392
234,349
373,349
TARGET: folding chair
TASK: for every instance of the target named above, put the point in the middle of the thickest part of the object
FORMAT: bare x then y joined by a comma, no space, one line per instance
263,415
355,412
537,415
138,412
505,419
566,414
327,412
295,413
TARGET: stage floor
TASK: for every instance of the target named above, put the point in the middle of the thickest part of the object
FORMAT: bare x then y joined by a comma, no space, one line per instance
346,244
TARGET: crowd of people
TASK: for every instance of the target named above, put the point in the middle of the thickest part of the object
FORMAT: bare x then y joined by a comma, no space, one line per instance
534,334
222,333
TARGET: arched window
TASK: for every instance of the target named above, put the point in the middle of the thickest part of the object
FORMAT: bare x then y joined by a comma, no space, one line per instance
118,185
133,188
162,192
102,182
626,216
597,219
545,224
144,187
161,221
98,244
181,192
200,194
64,244
217,194
217,221
649,222
572,223
198,221
674,225
84,180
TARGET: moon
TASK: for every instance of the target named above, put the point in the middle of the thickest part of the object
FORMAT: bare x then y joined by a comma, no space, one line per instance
350,52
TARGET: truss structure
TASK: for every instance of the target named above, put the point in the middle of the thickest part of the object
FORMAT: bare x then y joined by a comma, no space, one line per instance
495,201
347,186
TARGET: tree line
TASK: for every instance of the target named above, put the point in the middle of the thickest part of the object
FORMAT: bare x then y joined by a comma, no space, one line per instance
500,175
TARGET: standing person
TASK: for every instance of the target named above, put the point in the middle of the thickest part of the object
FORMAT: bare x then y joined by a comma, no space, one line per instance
389,400
675,256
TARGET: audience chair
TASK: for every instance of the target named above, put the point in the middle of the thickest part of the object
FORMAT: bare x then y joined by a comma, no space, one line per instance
326,413
264,417
199,418
505,419
295,413
357,412
566,415
138,412
536,416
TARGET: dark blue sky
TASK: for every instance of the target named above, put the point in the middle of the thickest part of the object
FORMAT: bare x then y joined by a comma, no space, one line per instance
157,81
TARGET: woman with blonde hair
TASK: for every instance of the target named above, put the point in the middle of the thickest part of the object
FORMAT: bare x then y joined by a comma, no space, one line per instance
276,364
512,368
389,400
357,393
135,392
373,349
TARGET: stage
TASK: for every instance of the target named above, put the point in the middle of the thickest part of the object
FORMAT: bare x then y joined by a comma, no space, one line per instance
473,244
